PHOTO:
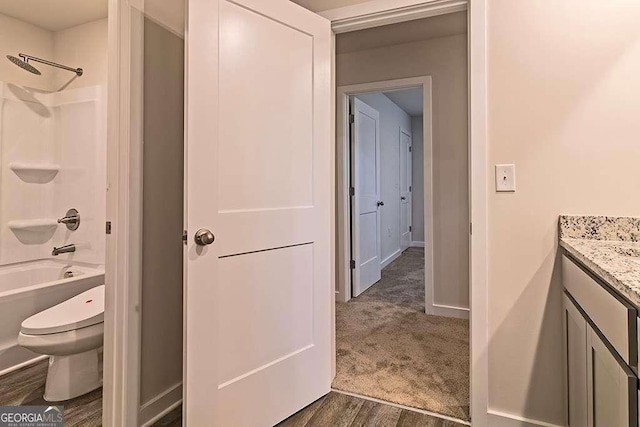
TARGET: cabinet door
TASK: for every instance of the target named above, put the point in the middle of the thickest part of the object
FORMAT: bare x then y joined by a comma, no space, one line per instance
611,386
575,350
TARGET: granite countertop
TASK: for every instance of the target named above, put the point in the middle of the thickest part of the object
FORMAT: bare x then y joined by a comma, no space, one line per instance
608,246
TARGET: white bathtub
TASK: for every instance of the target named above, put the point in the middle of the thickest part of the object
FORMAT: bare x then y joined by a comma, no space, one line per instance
30,287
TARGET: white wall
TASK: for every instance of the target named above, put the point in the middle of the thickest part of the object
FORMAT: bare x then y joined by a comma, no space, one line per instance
83,46
564,104
20,37
417,171
392,118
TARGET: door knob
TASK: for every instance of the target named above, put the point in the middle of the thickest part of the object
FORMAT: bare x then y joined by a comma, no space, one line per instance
403,198
204,237
380,203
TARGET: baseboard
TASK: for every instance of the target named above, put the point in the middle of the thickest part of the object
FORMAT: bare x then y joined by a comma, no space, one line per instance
448,311
503,419
417,244
160,405
23,364
388,260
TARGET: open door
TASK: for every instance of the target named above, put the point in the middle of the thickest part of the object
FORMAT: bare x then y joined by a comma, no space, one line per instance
366,203
258,266
405,190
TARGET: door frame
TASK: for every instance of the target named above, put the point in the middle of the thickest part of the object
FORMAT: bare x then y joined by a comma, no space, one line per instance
343,170
383,12
121,370
409,133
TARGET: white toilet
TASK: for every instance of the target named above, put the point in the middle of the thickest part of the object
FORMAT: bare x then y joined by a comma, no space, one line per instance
71,333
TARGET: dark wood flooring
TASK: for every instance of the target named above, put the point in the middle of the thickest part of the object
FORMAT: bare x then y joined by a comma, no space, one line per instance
26,387
341,410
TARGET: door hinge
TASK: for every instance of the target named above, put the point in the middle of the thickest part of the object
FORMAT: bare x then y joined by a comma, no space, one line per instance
409,228
409,148
470,228
353,264
352,118
409,189
352,191
184,236
108,227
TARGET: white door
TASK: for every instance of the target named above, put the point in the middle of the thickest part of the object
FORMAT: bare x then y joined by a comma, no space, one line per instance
366,203
405,189
258,176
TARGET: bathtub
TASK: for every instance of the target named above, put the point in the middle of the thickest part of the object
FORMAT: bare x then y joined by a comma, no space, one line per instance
30,287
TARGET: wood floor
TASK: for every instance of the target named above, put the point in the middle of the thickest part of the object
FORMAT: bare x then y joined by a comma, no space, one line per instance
26,387
341,410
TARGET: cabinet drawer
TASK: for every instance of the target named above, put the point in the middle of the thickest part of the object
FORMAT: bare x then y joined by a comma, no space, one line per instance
615,318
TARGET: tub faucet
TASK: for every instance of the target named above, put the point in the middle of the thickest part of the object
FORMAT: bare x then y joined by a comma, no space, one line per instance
63,249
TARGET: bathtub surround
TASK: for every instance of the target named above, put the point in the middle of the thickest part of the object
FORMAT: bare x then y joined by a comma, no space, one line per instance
389,349
609,246
52,158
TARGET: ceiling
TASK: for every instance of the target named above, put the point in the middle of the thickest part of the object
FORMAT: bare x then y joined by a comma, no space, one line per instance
410,100
55,15
404,32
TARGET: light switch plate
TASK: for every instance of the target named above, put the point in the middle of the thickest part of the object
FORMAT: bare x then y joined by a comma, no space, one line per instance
506,178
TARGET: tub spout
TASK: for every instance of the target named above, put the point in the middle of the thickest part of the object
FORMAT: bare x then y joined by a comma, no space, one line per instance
63,249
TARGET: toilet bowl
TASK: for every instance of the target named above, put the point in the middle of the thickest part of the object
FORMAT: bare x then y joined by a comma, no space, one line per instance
70,333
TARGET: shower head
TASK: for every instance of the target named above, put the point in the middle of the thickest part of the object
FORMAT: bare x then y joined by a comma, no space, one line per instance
23,62
24,65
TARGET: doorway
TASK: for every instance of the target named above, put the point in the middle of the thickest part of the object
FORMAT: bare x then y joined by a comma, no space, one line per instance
405,338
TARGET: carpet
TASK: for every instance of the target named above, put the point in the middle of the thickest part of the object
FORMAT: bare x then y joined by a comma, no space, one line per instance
389,349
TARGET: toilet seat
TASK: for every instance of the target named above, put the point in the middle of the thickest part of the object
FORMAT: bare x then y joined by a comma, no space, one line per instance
83,310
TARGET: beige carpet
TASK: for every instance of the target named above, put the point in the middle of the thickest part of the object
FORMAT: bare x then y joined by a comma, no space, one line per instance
388,348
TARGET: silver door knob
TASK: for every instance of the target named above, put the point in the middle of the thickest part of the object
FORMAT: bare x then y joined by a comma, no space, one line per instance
204,237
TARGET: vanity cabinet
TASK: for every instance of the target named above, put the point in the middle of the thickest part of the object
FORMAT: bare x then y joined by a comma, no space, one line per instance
602,387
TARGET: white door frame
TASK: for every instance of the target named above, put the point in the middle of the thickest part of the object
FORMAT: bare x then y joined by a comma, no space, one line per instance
121,370
121,374
343,168
383,12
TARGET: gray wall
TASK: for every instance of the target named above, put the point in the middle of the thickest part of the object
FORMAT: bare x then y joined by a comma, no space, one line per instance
417,167
392,118
445,59
161,358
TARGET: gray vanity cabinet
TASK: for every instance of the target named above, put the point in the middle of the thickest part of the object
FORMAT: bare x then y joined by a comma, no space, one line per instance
602,388
611,386
575,330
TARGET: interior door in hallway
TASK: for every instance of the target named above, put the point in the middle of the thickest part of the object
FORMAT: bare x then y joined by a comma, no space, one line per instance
366,203
258,279
405,189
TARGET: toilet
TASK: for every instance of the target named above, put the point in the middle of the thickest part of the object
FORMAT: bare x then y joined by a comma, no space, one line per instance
70,333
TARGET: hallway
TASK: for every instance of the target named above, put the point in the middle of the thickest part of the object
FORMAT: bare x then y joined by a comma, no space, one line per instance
389,349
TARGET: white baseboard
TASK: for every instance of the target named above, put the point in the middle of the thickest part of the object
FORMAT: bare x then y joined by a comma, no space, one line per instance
388,260
23,364
416,244
503,419
160,405
448,311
